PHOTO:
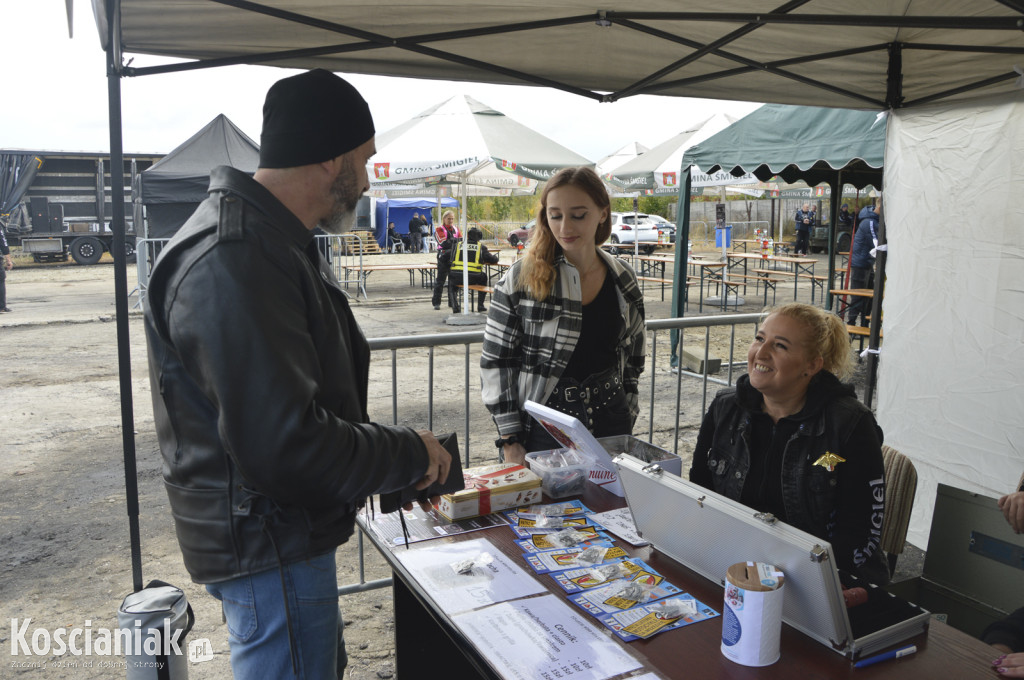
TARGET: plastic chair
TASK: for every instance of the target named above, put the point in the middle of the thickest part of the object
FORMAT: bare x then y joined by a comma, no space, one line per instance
900,489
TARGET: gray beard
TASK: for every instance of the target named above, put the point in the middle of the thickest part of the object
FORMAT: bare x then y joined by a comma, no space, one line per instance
346,197
340,221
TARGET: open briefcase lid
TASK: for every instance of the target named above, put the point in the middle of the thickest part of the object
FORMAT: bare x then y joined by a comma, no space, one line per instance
708,532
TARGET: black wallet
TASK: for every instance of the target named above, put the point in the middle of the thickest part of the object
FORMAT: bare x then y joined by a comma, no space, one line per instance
390,502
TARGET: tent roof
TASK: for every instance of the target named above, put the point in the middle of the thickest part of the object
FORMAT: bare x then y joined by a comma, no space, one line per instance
183,175
460,134
871,54
640,173
419,202
806,143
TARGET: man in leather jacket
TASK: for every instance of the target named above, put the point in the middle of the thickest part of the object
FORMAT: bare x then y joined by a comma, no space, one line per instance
259,380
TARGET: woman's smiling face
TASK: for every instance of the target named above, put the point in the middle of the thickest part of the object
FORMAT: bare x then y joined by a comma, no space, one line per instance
779,362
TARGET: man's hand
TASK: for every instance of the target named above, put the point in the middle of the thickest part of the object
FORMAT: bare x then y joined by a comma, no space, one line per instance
1012,506
8,262
437,468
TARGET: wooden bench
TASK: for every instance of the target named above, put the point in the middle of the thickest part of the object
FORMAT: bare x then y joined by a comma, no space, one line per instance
861,333
817,282
769,282
489,290
663,282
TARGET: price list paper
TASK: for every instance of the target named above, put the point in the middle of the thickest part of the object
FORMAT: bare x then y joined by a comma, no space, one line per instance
542,638
498,580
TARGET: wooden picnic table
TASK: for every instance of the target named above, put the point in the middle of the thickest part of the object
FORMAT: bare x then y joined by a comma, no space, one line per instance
362,272
842,305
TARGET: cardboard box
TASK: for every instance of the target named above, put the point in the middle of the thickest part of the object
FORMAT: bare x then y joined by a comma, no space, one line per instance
490,488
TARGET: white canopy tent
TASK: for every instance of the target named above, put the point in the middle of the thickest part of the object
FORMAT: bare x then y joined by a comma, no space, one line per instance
874,54
658,170
467,142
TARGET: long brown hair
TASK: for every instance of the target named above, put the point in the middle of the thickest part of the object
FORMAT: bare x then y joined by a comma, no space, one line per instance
538,270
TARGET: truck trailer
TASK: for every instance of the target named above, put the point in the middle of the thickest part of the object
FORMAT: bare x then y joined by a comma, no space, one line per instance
57,203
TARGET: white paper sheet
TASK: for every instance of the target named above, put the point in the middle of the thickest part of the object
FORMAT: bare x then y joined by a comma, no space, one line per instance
543,638
620,523
498,581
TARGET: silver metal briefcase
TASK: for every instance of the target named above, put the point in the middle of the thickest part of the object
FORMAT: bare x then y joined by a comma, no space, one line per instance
708,532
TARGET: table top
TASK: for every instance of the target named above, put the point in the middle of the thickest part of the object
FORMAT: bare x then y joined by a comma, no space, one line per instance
861,292
694,651
392,267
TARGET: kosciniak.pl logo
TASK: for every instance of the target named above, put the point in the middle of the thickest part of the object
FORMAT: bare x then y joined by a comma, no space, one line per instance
89,641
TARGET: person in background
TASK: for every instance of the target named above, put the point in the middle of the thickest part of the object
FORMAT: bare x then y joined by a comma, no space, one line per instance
792,440
425,220
475,259
803,221
415,233
566,324
259,378
447,236
1007,635
7,266
394,238
862,261
845,218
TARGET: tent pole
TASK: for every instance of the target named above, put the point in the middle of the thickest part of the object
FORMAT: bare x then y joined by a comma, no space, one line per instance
876,308
830,247
465,246
121,287
681,261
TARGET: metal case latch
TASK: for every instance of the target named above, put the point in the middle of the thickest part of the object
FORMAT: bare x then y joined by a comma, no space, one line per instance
652,469
766,517
818,554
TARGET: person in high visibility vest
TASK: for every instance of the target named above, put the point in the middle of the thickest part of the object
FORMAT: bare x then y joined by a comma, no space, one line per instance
477,256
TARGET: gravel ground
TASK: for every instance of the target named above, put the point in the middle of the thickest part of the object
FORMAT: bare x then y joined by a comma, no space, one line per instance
65,558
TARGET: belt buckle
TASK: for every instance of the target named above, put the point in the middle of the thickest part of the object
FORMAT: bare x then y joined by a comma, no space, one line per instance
569,393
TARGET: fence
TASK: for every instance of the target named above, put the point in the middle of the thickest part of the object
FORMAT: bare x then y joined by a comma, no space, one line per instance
666,394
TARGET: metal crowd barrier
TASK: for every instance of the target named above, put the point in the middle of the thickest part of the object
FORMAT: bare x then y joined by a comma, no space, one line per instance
653,392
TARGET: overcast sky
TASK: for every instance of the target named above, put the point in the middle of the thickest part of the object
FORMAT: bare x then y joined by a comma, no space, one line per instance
55,96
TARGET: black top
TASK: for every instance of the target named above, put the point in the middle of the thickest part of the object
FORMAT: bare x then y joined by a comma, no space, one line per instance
602,323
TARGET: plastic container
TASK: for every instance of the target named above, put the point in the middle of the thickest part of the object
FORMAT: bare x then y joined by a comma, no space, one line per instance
563,472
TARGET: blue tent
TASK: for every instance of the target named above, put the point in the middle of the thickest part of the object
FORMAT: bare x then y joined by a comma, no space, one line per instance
400,210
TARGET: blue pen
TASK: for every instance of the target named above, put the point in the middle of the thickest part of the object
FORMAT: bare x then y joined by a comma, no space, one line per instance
894,654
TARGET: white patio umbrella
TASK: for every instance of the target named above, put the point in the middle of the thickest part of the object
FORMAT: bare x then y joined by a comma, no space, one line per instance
465,141
607,166
658,170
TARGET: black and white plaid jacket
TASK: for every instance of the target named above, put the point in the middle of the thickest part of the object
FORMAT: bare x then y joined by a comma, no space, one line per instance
528,342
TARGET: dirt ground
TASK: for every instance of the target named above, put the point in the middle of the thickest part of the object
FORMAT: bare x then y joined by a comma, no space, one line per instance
64,542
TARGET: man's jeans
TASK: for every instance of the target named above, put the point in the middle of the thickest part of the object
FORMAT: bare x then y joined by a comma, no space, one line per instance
258,627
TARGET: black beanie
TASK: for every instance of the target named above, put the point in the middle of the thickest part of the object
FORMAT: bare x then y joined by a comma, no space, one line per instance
310,118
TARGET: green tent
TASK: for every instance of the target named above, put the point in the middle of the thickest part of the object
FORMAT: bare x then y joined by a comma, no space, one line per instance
806,143
809,143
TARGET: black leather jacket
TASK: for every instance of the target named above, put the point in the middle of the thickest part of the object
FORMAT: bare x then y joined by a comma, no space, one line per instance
259,376
775,467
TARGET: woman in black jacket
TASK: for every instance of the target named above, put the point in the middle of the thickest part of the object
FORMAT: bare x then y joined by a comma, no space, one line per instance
793,440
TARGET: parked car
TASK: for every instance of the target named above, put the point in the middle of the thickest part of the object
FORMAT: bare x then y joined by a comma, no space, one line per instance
522,234
631,229
663,226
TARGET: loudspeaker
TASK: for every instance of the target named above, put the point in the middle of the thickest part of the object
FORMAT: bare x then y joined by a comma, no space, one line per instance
38,206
